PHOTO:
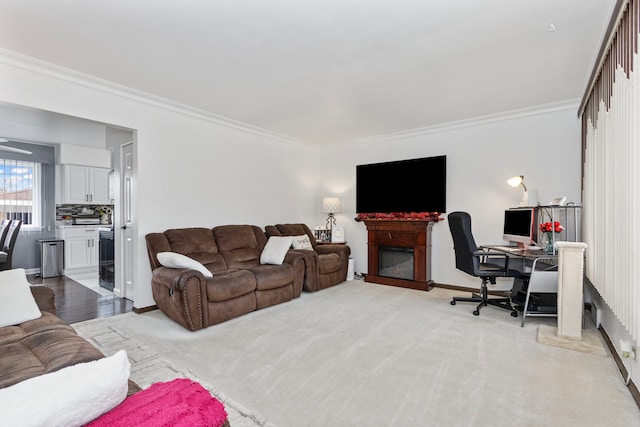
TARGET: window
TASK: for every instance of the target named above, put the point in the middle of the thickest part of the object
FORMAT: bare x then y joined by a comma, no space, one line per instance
20,192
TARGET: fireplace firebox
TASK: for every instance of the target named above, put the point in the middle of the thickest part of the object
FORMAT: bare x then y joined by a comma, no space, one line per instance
399,253
395,262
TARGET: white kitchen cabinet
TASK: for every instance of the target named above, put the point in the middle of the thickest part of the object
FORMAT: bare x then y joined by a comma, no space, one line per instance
74,184
80,249
84,185
99,185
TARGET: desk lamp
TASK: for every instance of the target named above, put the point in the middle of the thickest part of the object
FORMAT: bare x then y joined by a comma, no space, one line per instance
528,198
331,206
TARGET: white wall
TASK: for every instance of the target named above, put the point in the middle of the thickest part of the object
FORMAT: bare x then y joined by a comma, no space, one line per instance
192,171
542,145
195,171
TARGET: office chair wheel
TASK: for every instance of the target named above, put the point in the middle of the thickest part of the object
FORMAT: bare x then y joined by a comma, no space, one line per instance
453,302
514,314
476,312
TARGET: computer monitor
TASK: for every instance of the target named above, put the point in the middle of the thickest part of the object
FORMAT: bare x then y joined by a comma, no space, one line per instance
518,226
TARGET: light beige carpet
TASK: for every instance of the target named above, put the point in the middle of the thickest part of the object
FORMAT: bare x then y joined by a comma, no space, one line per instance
149,367
361,354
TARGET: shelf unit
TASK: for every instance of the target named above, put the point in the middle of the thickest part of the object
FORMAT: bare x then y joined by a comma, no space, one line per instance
569,216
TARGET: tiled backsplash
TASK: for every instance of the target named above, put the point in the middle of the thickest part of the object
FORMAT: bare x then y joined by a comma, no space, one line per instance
81,210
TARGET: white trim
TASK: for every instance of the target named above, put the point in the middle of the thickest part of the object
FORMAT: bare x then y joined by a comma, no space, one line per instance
30,271
475,121
37,66
67,75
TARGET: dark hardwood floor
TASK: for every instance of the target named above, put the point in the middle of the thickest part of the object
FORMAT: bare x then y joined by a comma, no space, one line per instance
77,303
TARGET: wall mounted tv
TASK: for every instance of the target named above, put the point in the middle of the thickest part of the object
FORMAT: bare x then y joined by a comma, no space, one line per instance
416,185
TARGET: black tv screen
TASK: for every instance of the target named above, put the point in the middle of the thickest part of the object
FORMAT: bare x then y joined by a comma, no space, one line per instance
416,185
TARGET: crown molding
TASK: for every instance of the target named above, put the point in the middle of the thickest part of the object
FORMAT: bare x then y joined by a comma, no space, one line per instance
475,121
68,75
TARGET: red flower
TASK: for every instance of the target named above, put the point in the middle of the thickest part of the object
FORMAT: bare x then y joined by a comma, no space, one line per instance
429,216
547,227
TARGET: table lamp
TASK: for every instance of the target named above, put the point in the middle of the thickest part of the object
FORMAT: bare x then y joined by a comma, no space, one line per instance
331,206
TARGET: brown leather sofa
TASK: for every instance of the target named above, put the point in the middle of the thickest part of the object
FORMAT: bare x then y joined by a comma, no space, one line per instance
240,284
326,265
43,345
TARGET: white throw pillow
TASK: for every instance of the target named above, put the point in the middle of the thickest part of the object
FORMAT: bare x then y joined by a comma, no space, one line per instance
17,304
72,396
275,250
302,242
176,260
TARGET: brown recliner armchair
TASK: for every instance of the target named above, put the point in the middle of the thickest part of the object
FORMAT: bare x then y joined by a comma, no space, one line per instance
326,265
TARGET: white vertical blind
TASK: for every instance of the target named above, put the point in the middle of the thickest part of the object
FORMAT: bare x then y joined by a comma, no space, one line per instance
611,181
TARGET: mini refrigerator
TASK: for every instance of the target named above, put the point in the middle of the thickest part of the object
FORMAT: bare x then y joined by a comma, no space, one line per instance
51,258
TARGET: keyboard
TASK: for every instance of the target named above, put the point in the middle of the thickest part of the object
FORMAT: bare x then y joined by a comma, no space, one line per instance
531,250
507,248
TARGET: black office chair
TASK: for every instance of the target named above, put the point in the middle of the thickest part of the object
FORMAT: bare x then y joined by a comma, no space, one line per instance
6,254
476,262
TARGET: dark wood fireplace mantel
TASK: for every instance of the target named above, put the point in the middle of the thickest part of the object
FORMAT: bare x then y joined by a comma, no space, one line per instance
414,234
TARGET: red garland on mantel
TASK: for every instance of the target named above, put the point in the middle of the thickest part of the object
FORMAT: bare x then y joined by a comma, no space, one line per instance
422,216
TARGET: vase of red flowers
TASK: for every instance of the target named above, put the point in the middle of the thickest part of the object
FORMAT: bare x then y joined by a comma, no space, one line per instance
550,229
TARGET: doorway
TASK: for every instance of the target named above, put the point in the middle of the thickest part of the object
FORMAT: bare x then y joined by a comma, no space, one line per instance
122,144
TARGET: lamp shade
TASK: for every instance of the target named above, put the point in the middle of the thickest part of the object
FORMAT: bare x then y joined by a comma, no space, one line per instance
517,180
331,205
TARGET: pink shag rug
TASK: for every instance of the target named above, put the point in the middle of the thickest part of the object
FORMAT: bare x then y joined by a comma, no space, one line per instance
178,403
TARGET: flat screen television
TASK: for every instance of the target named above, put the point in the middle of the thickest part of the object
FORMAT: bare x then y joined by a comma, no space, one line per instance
415,185
518,225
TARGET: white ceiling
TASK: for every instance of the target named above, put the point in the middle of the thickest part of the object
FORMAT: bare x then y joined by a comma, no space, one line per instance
325,70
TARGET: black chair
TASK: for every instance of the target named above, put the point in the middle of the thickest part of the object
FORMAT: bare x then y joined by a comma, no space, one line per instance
9,244
477,262
4,229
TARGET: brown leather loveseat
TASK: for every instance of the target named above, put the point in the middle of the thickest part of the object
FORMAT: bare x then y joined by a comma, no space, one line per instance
240,283
326,265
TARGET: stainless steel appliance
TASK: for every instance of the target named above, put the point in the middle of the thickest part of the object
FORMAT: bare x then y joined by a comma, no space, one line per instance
51,257
106,266
85,220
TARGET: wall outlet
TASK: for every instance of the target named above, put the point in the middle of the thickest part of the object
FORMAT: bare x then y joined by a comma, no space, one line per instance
626,350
